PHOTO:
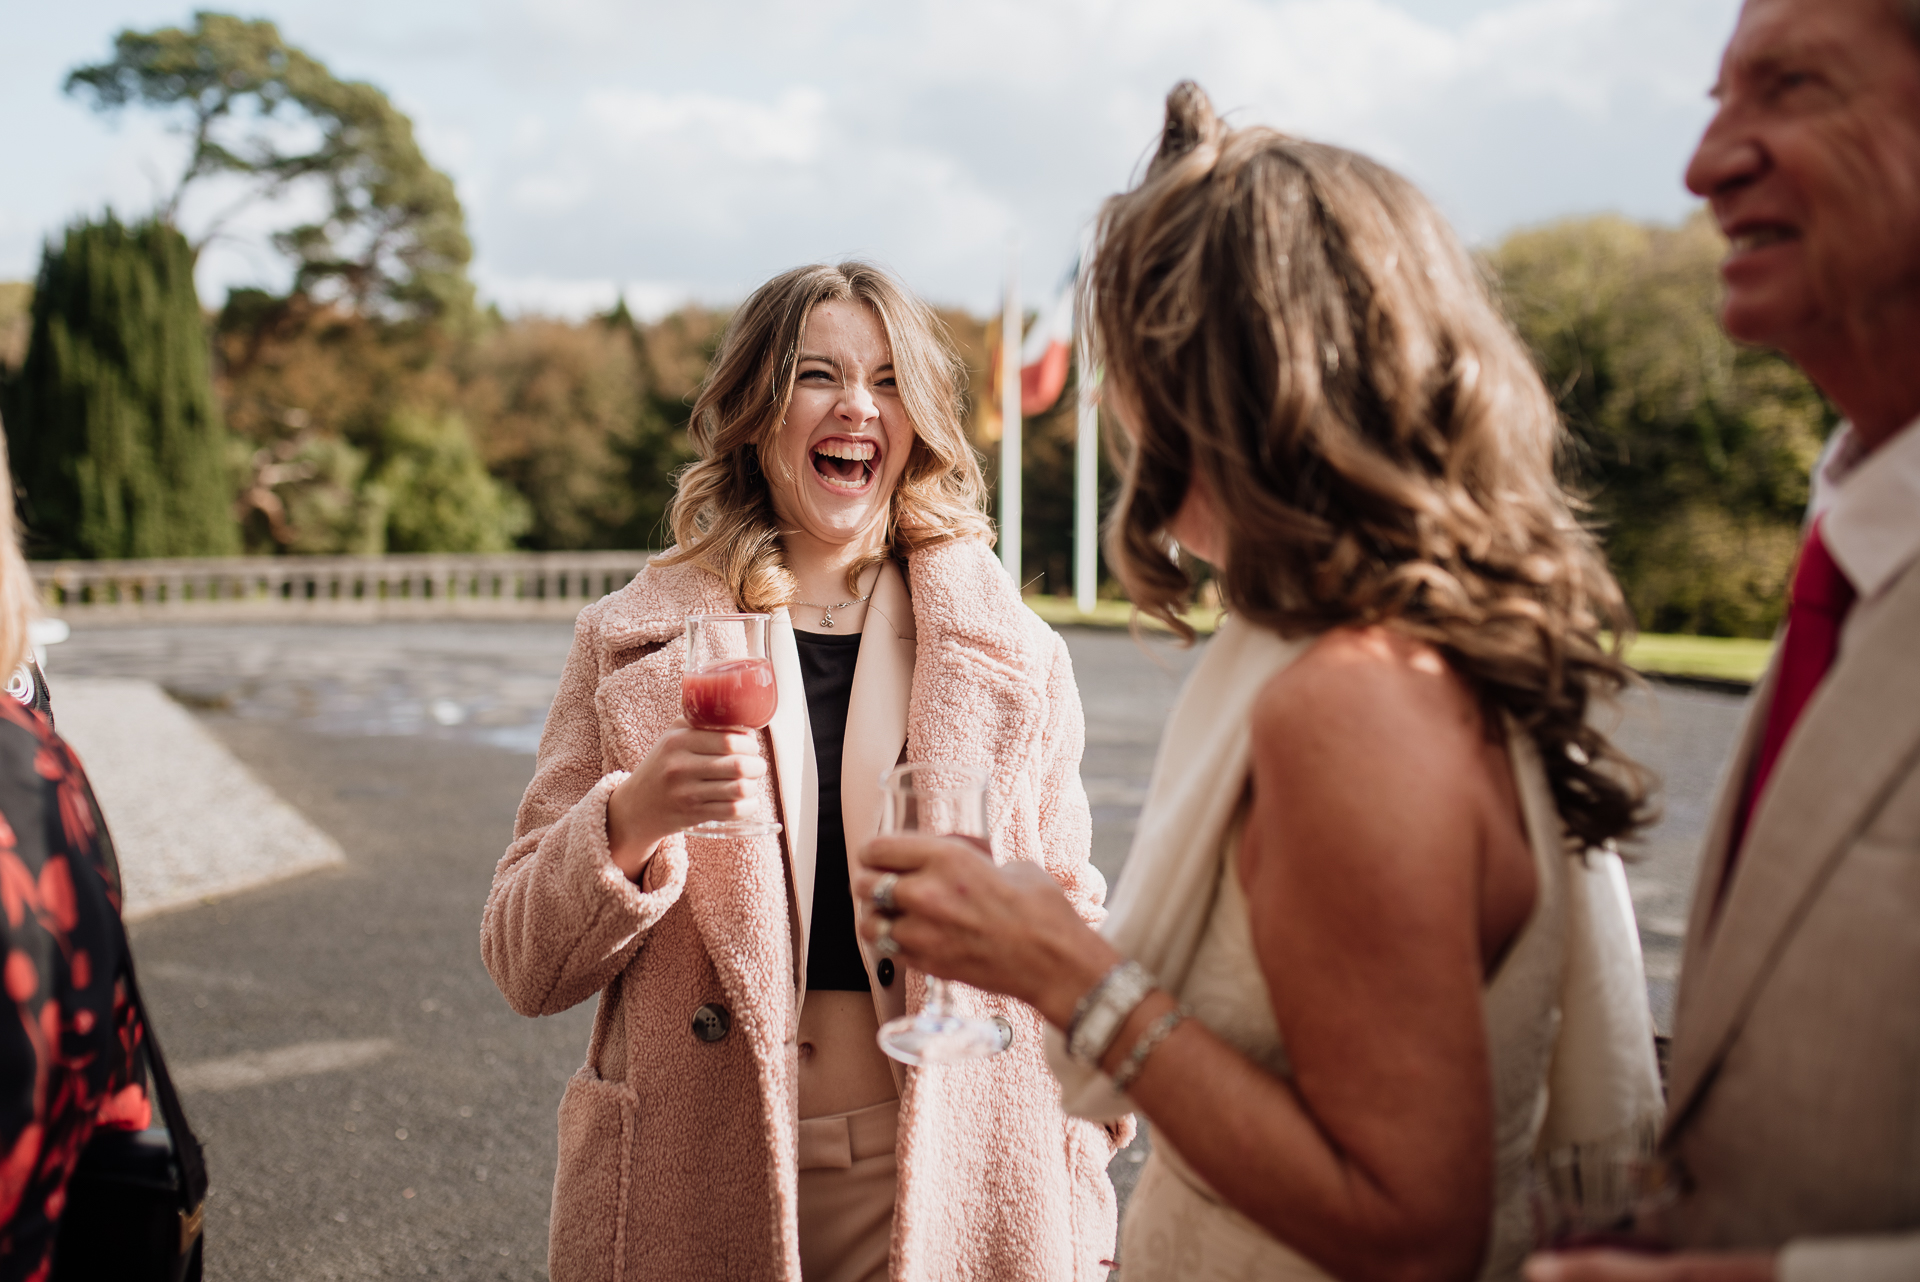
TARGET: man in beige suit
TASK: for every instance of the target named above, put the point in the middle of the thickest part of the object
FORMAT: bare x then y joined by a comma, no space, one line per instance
1794,1098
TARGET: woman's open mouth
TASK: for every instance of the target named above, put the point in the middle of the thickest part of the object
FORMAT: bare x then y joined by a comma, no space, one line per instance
845,465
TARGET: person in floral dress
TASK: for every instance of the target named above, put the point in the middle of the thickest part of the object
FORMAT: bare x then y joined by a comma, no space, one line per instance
71,1055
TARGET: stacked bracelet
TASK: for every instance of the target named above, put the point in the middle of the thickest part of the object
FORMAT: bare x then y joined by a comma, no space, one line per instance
1136,1060
1101,1013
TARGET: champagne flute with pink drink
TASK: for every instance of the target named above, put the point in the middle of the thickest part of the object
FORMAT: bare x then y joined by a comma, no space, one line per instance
728,685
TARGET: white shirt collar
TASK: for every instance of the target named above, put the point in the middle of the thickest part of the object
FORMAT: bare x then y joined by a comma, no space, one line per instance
1870,506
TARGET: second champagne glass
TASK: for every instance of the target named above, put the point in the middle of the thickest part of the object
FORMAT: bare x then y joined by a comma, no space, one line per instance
938,800
727,684
1604,1195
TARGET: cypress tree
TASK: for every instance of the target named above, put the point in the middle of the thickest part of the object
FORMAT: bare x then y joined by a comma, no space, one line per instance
117,444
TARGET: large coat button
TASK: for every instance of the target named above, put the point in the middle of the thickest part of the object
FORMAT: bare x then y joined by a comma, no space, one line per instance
711,1022
885,971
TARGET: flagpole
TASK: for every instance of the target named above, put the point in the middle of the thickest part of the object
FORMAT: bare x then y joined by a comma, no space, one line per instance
1086,474
1010,453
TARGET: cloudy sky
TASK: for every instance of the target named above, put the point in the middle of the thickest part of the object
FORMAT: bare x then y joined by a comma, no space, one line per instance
681,151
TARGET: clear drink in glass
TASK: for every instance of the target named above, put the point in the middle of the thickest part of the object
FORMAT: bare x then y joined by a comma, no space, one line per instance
939,800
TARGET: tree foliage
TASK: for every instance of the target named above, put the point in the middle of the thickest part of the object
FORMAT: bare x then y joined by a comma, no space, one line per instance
16,318
115,437
352,435
392,238
1695,452
437,493
573,417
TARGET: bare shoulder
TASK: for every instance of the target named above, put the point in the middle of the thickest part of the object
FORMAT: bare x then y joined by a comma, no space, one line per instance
1364,693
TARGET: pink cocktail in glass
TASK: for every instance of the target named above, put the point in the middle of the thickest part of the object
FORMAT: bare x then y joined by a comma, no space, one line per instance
736,695
728,684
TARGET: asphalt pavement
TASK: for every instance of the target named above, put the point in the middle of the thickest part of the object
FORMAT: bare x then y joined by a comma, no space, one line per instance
371,1107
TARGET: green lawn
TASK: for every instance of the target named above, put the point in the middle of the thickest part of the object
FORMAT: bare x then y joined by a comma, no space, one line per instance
1736,658
1059,610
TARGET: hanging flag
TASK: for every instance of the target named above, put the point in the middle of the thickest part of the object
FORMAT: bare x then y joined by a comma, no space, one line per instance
1048,349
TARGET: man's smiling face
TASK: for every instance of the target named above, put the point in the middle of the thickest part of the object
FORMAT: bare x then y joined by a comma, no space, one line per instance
1812,168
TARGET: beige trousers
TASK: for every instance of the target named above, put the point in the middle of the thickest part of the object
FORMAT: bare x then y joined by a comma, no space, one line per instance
847,1183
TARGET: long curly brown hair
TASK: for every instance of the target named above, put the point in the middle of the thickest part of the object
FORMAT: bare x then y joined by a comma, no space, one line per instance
722,515
1298,326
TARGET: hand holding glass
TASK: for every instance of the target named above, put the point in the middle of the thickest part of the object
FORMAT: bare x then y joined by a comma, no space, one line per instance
1599,1196
937,800
727,684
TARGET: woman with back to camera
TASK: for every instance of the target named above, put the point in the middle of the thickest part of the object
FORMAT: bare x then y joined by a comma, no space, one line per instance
735,1118
1368,861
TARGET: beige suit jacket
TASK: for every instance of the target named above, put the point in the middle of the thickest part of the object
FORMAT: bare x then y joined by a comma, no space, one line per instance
1794,1095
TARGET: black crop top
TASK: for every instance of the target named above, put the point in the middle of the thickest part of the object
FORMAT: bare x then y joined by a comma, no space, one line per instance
833,951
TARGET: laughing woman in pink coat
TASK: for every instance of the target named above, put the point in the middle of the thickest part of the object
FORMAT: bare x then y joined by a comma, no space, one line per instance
734,1117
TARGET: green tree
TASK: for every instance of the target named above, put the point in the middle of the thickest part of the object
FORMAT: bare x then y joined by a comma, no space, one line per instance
1695,451
655,450
116,441
307,491
557,408
438,495
392,239
310,391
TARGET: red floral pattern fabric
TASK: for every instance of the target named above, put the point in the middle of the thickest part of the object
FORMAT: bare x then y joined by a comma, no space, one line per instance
70,1046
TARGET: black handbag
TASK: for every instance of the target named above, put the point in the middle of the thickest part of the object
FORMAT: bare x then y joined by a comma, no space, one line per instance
136,1199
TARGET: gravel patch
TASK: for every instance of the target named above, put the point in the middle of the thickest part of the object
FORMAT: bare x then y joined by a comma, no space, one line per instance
189,821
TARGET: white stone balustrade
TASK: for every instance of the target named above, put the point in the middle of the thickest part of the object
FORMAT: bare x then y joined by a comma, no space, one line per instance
512,585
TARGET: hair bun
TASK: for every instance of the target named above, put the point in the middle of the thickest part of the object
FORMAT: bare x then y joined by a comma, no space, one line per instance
1190,124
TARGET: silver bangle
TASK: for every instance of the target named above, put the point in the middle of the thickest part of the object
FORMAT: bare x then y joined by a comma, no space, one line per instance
1136,1060
1085,1004
1105,1010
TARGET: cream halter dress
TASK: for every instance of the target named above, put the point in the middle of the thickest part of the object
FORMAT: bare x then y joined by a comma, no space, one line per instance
1181,912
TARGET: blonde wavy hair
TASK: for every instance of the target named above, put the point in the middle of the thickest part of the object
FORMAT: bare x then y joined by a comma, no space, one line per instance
1295,324
722,515
19,598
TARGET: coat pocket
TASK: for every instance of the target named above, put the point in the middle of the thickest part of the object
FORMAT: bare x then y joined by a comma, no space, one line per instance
587,1242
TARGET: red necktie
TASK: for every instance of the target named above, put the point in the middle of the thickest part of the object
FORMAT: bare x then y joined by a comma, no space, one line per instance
1817,605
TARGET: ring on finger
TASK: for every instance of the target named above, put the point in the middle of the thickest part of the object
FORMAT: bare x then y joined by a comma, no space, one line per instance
883,902
883,938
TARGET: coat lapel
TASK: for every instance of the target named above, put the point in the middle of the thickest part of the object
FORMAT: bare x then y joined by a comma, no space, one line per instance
979,681
877,708
1689,1060
796,781
1690,1055
876,732
1832,774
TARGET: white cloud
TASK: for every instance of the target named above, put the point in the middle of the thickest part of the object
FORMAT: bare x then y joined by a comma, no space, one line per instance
702,148
577,299
719,130
721,191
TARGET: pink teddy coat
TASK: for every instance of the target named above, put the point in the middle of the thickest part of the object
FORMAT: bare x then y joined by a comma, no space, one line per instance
678,1156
